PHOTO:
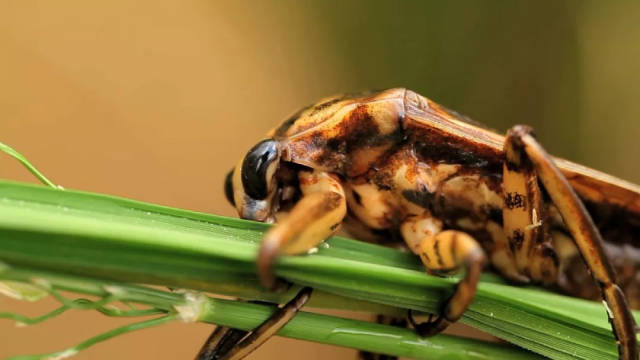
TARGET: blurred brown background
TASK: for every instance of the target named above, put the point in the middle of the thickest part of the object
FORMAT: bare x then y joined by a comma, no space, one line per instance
156,100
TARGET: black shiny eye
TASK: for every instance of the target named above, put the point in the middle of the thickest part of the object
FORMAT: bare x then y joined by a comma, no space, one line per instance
255,168
228,187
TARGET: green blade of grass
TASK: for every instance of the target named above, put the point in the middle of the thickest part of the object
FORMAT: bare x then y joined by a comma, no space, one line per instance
32,169
113,238
241,315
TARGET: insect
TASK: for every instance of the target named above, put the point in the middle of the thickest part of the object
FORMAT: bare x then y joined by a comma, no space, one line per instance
397,165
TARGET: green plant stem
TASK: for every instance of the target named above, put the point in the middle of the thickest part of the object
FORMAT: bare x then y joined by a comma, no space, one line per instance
26,320
97,339
241,315
111,238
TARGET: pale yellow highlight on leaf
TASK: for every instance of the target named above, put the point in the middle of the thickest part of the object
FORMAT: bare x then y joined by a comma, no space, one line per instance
22,291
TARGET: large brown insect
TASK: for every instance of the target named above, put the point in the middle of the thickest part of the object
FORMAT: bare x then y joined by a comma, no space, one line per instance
395,164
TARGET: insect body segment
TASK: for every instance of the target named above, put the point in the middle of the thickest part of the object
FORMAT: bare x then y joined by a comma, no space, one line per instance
397,165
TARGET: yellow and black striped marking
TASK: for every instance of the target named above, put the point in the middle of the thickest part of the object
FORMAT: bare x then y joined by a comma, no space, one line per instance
445,252
524,216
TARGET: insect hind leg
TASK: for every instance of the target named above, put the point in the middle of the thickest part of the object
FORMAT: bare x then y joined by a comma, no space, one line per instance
525,222
585,234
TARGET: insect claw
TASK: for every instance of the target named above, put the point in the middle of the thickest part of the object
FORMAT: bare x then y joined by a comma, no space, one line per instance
266,259
412,321
281,286
430,327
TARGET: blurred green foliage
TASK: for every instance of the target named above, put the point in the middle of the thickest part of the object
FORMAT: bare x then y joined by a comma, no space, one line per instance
501,62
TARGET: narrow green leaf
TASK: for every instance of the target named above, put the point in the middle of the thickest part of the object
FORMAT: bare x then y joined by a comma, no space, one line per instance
32,169
112,238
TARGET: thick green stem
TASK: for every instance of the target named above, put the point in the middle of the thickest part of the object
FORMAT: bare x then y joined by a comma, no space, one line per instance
67,232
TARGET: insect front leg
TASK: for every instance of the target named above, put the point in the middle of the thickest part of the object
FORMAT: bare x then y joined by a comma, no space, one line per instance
522,146
445,252
312,220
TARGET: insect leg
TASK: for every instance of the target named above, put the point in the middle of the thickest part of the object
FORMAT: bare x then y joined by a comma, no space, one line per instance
234,344
220,342
524,218
313,219
501,255
444,252
584,233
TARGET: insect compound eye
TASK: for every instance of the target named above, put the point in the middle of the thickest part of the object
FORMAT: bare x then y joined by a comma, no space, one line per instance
228,187
258,167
